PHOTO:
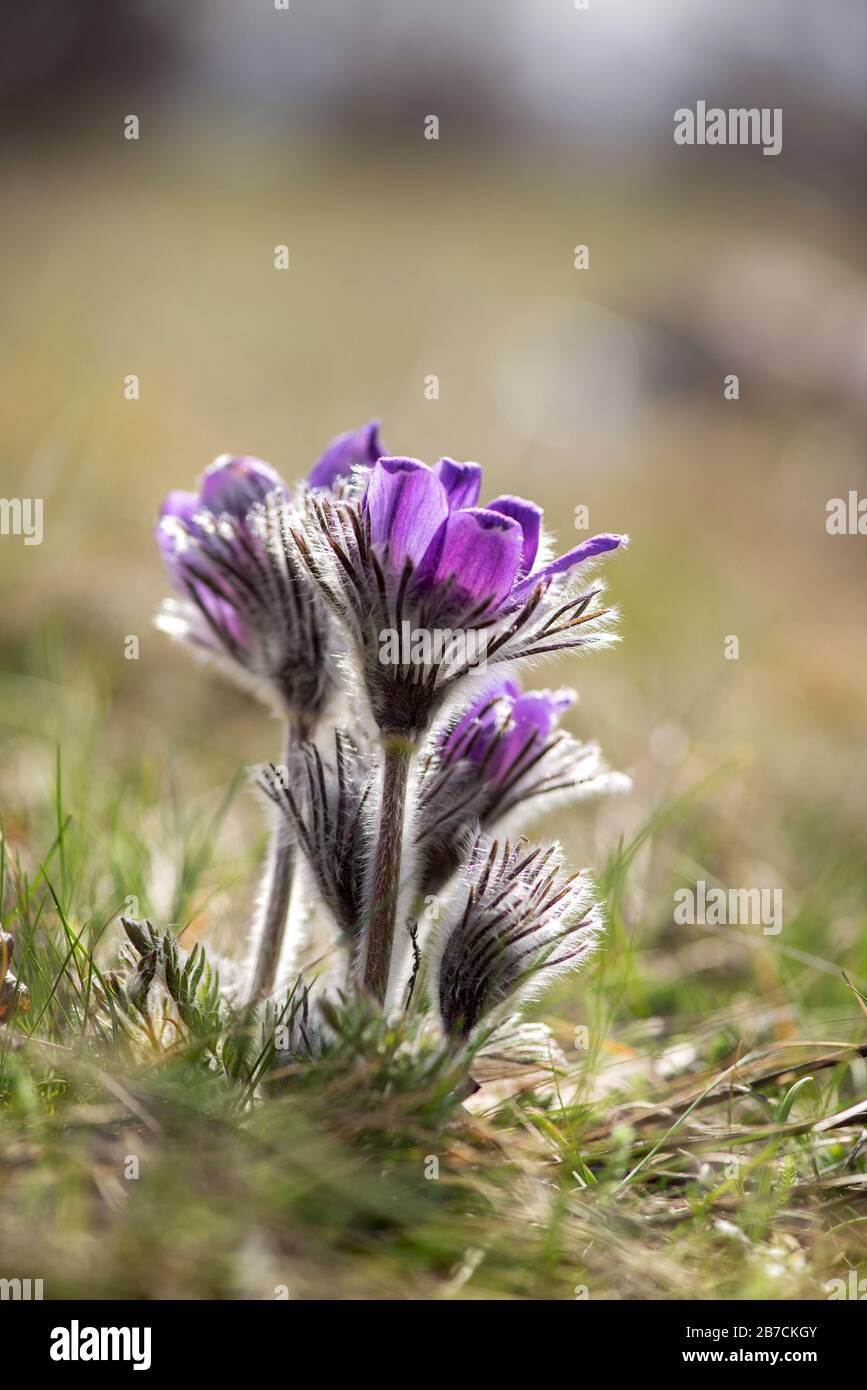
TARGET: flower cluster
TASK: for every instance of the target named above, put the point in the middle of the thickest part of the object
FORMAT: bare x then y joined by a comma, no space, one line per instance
400,770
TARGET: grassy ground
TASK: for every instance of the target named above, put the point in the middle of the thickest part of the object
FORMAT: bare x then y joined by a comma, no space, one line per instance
706,1138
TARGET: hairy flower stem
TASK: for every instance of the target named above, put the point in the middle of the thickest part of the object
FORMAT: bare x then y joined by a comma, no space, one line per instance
275,907
385,885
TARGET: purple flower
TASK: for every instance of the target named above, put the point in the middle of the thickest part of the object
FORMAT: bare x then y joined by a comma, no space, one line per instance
415,549
231,486
468,560
234,484
504,728
503,756
356,449
245,604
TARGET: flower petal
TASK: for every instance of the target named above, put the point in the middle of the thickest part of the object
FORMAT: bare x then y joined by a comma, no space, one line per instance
234,484
479,722
171,538
532,712
462,482
529,518
504,707
406,504
477,553
183,506
537,712
534,716
596,545
355,448
185,562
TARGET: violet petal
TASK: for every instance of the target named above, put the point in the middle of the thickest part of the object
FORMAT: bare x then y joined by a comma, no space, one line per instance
182,506
596,545
462,482
529,518
479,552
406,504
234,484
355,448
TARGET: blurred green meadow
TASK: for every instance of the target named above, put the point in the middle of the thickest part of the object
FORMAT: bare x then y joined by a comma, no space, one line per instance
124,779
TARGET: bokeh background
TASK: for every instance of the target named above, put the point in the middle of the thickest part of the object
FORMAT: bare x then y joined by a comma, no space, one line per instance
601,388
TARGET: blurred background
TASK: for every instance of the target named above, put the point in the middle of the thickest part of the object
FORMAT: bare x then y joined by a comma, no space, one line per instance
601,388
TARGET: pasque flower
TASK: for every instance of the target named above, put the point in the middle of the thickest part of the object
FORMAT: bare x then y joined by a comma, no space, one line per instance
502,728
323,797
248,604
502,757
415,548
520,922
